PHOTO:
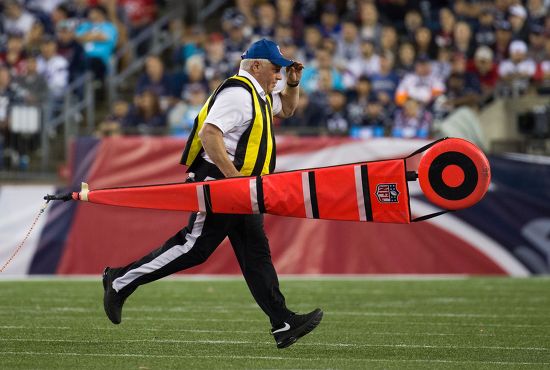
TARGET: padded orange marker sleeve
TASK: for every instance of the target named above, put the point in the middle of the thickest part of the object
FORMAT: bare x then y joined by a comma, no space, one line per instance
283,194
177,197
231,196
388,191
336,193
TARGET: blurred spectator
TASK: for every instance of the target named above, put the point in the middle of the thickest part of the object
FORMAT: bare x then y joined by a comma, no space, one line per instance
484,67
59,14
329,44
405,59
214,82
385,82
32,87
538,10
312,41
536,43
517,71
365,112
503,36
116,15
500,8
42,9
157,81
459,93
13,57
462,39
194,75
145,115
99,37
358,101
324,87
468,10
7,97
182,116
485,32
311,75
421,85
444,36
290,50
53,67
337,121
266,19
518,21
376,118
113,123
413,21
309,113
329,23
441,67
348,44
16,19
35,37
216,62
424,43
192,43
286,14
246,8
237,41
412,120
389,40
283,34
70,49
140,13
394,11
546,24
459,66
79,9
368,63
371,29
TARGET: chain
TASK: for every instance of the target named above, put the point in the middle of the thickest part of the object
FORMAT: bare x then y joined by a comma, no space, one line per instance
26,237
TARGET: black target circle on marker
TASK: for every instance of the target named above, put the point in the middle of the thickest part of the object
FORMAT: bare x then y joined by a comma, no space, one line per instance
454,174
437,181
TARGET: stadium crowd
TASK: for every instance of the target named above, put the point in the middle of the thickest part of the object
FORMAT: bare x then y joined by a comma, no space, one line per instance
373,68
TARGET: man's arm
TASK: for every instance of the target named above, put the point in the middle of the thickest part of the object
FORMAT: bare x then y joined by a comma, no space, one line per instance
212,142
291,94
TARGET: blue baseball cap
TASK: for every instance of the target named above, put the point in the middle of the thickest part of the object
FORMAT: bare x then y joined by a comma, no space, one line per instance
266,49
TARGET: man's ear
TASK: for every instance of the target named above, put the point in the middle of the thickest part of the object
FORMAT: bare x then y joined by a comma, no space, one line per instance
258,65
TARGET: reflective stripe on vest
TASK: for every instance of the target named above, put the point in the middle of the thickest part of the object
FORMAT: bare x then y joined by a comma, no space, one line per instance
255,153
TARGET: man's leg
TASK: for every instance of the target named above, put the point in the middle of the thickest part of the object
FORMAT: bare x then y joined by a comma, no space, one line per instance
252,250
190,246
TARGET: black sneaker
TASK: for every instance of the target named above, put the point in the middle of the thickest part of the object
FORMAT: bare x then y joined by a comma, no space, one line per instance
296,327
112,301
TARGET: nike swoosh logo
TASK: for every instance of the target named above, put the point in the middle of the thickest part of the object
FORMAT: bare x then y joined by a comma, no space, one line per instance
285,328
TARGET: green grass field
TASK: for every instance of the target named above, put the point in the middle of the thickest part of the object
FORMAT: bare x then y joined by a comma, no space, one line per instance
214,324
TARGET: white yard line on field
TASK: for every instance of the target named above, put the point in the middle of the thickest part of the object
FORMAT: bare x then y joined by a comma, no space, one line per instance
202,341
245,357
255,332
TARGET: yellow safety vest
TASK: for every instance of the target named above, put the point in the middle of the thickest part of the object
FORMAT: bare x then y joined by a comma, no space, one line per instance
255,153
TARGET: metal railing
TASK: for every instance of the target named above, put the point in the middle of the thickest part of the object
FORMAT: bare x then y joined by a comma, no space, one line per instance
69,115
159,39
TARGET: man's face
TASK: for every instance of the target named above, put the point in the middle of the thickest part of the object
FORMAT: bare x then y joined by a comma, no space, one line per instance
268,75
483,65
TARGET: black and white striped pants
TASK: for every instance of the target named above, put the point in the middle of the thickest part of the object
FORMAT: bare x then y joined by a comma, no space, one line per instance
193,245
